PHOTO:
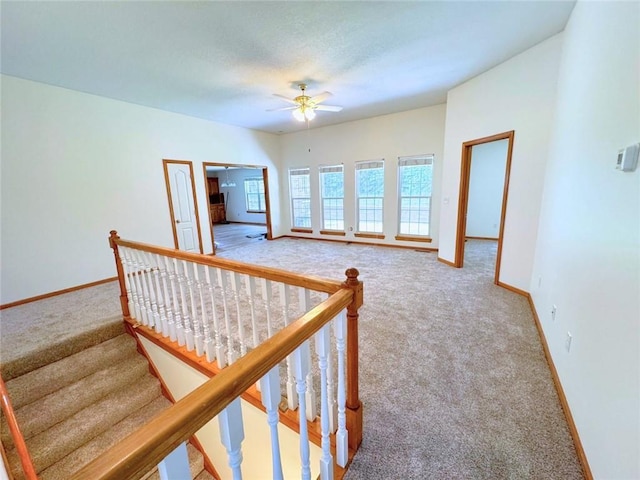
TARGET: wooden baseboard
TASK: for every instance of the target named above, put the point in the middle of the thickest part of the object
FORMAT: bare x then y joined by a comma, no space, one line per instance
358,242
495,239
582,457
447,262
57,292
513,289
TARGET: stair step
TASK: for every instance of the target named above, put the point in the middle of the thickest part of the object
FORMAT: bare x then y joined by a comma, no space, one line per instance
42,414
45,380
204,475
50,446
59,348
73,462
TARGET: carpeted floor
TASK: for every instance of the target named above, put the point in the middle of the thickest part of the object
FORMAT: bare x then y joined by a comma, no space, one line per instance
452,373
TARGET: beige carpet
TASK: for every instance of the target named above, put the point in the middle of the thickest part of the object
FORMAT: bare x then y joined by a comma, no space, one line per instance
453,377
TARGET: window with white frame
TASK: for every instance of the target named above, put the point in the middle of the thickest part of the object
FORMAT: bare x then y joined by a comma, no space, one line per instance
415,177
254,195
370,196
300,191
332,197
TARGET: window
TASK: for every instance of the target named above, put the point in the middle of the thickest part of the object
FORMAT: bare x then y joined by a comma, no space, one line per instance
300,188
254,194
332,197
370,195
415,176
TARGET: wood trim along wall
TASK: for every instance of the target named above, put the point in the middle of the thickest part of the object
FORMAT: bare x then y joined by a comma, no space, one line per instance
413,238
369,235
513,289
482,238
131,330
333,232
446,262
582,457
356,242
465,172
57,292
165,163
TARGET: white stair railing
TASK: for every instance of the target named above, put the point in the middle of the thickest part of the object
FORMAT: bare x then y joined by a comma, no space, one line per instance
221,311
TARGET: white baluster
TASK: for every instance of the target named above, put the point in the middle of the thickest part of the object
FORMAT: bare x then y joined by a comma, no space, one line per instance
232,435
301,361
222,282
251,291
178,301
168,311
153,296
270,392
175,465
267,295
219,355
144,281
323,349
161,324
175,320
310,396
342,435
235,288
191,317
141,309
201,340
127,280
292,399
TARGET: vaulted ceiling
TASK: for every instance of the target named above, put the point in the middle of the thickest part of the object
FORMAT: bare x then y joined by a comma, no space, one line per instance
223,61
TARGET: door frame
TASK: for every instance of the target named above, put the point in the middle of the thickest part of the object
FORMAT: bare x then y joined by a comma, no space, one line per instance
267,203
165,164
463,202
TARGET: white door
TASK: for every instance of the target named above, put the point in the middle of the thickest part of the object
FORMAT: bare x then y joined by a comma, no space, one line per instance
186,228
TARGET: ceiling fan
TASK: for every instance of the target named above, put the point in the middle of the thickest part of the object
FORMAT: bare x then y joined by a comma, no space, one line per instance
304,107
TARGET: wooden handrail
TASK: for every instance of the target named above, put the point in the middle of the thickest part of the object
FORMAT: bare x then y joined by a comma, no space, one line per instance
145,448
306,281
18,440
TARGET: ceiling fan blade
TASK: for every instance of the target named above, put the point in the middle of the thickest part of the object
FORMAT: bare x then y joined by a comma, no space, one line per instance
321,97
281,109
286,99
328,108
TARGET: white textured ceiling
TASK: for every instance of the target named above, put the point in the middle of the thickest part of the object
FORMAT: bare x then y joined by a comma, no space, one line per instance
222,61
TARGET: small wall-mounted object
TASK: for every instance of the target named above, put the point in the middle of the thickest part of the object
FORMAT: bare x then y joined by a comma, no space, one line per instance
628,158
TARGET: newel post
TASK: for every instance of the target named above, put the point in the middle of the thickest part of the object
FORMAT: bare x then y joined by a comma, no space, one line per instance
124,301
354,406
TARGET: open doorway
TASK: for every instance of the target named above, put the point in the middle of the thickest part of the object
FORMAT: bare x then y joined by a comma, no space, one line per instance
239,209
484,187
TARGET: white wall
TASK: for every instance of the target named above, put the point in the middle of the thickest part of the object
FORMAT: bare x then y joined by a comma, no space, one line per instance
519,95
419,131
236,204
75,166
181,380
588,251
486,189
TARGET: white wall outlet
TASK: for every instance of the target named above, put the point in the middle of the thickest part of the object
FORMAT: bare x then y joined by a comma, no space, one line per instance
554,309
567,342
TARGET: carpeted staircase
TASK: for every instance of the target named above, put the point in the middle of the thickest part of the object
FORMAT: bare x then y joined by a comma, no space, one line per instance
72,410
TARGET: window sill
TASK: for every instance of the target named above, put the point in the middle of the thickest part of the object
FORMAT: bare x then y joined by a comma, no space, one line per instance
302,230
339,233
379,236
256,211
413,238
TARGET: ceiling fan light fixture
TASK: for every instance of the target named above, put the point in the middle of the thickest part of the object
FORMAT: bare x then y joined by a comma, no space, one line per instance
298,114
309,113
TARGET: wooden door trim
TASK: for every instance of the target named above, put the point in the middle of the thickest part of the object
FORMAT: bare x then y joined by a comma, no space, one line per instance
465,173
165,166
267,201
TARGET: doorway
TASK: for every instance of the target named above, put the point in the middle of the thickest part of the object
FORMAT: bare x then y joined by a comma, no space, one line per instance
183,205
478,223
239,207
